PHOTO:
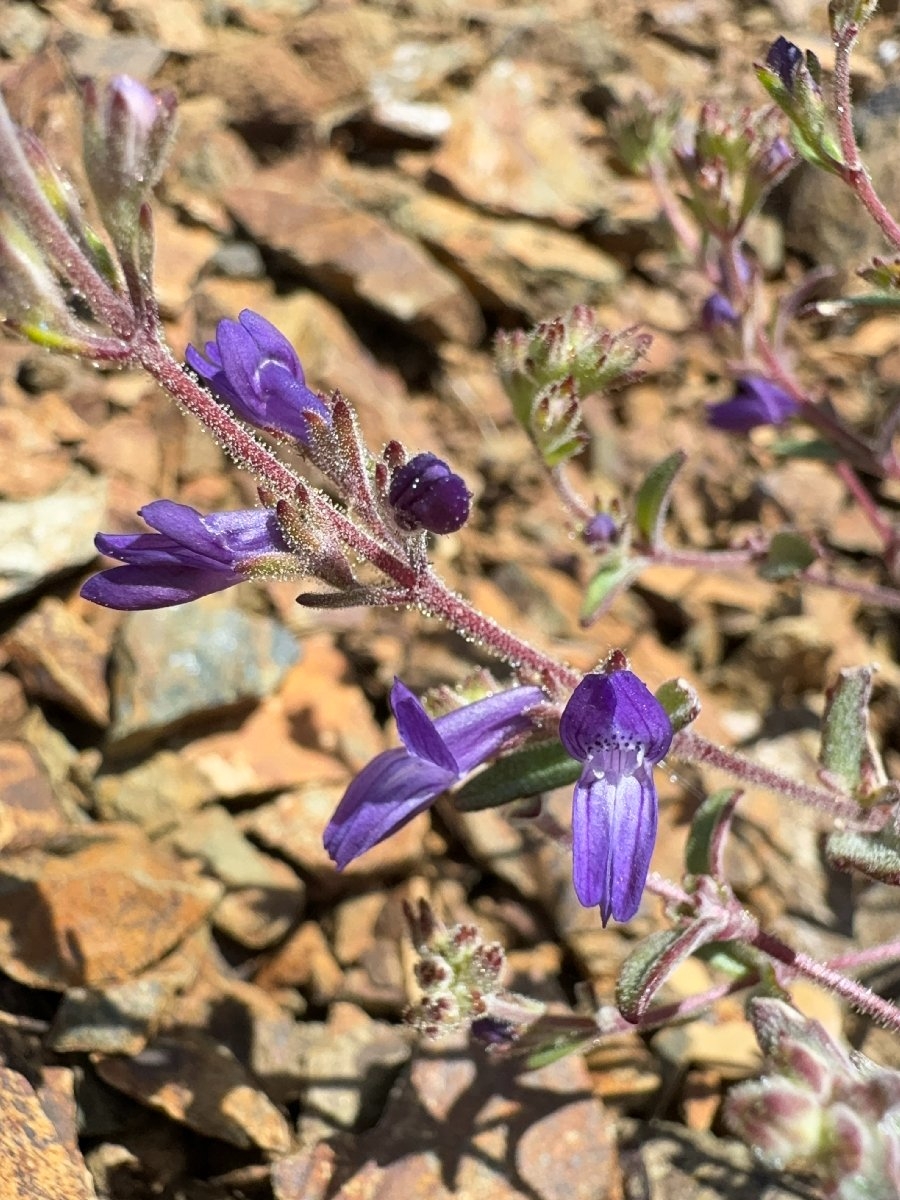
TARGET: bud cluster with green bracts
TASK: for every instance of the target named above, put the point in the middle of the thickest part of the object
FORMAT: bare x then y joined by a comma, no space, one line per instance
794,81
819,1108
548,371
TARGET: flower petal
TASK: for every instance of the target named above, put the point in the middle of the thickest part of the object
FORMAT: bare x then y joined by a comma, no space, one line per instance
613,835
417,730
271,342
142,587
615,706
391,790
475,732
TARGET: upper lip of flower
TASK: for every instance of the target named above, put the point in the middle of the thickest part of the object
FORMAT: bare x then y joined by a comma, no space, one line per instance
398,784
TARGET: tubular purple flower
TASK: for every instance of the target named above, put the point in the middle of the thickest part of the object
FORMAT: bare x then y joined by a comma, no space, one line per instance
399,784
756,401
619,730
189,556
426,494
717,313
255,369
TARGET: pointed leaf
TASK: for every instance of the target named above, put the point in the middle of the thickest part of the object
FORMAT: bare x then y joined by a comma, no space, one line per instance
709,829
789,554
651,504
613,575
652,962
845,727
875,855
681,702
525,773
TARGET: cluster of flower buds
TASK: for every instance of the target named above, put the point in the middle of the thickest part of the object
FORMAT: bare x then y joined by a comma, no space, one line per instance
460,975
730,164
642,132
819,1108
549,370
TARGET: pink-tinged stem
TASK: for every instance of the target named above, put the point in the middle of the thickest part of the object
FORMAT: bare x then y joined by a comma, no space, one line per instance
689,747
668,202
857,994
853,172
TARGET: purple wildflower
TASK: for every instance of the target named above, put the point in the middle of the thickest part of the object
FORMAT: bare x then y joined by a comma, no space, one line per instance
426,494
785,59
619,730
601,532
189,556
255,369
397,785
756,401
717,312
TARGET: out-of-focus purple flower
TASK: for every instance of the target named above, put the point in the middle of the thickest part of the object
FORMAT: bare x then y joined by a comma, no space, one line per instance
426,494
756,401
399,784
619,730
601,531
189,556
785,59
717,312
255,369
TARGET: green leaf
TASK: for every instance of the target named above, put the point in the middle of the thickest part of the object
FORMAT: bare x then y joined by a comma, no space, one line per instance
709,826
789,554
526,773
875,855
613,574
799,448
845,727
651,504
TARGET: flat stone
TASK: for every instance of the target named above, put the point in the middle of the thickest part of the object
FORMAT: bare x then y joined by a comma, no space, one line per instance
512,151
511,266
354,255
156,794
62,659
44,537
199,659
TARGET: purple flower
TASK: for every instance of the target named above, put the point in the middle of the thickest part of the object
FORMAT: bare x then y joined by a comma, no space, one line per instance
601,532
189,556
756,401
619,730
426,494
254,368
785,59
717,312
397,785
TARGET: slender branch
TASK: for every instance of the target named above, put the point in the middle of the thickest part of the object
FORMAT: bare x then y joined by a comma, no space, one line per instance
857,994
852,171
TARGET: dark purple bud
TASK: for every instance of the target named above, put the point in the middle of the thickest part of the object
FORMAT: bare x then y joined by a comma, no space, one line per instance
785,59
756,401
426,494
253,367
717,313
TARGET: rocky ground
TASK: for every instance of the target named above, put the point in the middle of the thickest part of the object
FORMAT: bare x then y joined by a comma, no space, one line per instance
193,1003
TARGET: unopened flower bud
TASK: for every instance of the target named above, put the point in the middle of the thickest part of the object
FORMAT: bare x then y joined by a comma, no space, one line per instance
601,532
786,60
127,132
717,313
426,494
779,1119
756,401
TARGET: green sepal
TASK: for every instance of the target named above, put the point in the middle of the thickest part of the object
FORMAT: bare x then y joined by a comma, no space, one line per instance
788,555
847,752
525,773
681,702
651,504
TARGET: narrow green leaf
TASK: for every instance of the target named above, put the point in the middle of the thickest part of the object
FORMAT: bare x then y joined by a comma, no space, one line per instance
526,773
709,826
808,449
875,855
613,575
789,554
845,726
651,504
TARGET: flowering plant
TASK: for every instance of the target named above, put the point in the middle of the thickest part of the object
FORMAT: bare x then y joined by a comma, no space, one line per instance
355,525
